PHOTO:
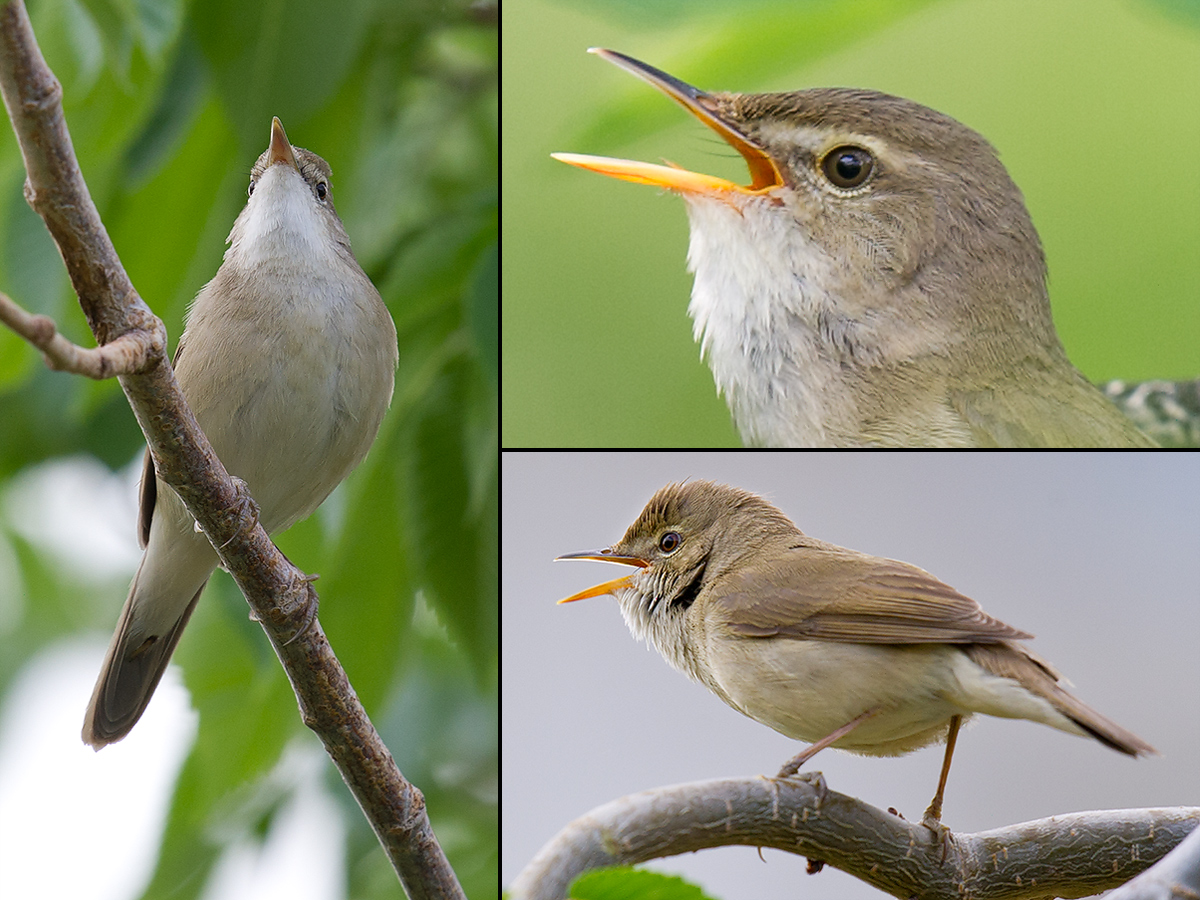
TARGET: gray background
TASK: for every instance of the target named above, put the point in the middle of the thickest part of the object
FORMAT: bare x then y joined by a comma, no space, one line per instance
1096,554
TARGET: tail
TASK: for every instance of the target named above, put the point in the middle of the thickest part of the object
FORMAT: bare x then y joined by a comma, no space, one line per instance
132,668
1011,660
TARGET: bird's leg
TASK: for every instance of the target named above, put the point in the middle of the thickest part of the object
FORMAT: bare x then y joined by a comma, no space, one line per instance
792,766
933,815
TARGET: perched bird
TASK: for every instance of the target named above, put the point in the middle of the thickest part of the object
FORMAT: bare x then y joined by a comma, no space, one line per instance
288,362
823,644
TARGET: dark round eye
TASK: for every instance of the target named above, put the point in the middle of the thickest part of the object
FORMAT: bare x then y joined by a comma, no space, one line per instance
848,167
322,190
250,191
669,542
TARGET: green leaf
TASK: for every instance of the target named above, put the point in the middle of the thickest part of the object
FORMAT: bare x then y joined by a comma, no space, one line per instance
483,312
178,104
624,883
17,357
450,525
250,45
33,271
367,592
783,35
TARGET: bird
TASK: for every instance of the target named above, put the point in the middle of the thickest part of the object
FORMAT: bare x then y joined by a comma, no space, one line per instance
821,643
288,362
878,283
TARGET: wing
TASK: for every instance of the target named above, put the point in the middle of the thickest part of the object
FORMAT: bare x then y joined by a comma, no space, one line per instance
148,492
827,593
1048,409
147,496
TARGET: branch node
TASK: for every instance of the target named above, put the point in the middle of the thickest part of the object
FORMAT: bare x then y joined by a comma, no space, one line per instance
134,351
43,96
42,331
414,818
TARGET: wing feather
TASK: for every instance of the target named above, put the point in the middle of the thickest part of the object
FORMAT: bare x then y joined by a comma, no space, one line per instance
830,594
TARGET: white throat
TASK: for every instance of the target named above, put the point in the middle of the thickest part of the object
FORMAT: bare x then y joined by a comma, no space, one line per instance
759,319
282,221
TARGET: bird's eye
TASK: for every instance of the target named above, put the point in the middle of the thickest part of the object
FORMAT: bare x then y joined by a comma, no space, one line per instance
250,190
322,190
669,542
848,167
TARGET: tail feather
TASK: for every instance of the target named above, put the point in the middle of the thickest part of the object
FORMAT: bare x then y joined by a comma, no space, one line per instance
1011,660
132,669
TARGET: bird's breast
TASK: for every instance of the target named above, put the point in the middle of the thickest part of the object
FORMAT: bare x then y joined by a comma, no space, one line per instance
289,380
808,689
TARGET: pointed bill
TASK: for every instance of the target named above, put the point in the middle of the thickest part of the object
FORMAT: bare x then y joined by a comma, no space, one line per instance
280,147
764,174
607,587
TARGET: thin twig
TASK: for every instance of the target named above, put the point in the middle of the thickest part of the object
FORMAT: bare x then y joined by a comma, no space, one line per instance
128,354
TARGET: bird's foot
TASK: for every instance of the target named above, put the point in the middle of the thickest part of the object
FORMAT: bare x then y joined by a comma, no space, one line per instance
307,598
816,779
792,766
243,509
942,834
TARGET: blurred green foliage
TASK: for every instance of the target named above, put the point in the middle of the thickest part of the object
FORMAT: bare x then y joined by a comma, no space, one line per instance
169,103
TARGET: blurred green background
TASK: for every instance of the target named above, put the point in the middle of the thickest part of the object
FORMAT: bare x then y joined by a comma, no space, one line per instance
169,103
1094,106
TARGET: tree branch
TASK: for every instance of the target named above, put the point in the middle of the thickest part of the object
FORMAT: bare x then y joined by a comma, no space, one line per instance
132,345
1174,877
1064,856
129,353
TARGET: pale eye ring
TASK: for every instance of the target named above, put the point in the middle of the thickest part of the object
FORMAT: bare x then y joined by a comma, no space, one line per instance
848,167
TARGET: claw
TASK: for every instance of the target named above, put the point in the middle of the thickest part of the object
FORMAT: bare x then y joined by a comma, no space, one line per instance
310,610
942,834
816,779
244,504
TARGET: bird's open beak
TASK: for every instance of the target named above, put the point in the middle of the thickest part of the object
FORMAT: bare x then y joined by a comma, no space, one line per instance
609,586
764,174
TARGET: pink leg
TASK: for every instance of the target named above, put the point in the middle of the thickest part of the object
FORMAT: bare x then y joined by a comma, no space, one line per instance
792,766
